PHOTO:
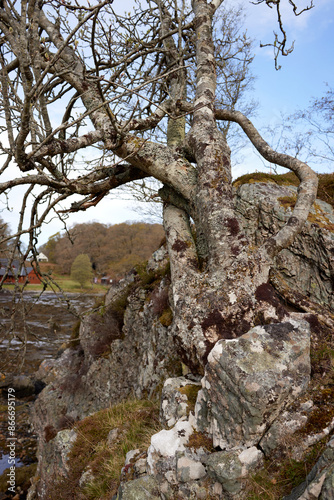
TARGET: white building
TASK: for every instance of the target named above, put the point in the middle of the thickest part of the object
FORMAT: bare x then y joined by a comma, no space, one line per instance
42,258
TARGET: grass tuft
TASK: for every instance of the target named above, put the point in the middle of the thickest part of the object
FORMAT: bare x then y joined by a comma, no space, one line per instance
135,420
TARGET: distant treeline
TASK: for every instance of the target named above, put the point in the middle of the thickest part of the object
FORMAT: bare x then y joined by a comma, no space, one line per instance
113,250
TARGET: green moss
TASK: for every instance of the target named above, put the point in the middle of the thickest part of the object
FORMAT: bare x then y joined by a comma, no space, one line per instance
287,201
325,189
288,179
191,391
166,318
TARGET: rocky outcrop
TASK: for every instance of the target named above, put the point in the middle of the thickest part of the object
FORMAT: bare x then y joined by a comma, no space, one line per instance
124,351
219,428
306,268
250,380
248,383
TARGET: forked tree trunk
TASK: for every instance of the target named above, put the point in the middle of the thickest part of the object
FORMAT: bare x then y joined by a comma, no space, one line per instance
228,293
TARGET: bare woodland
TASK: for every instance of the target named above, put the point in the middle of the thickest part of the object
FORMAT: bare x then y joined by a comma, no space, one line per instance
151,93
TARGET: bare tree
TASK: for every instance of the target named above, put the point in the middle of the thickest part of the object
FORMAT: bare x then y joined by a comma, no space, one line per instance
317,120
116,78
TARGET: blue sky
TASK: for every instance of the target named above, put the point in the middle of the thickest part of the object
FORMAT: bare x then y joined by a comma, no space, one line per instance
302,77
306,70
303,74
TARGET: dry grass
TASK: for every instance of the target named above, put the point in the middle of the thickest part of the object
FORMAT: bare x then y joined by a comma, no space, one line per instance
135,420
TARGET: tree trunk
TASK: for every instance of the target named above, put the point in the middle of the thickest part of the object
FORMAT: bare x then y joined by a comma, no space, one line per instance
228,293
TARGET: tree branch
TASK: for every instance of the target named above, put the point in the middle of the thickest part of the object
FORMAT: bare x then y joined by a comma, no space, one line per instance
307,190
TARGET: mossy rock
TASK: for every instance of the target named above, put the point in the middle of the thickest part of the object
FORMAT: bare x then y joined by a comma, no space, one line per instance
325,189
191,391
288,179
166,318
135,420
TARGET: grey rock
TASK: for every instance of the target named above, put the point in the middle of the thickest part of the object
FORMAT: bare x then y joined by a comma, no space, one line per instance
232,405
229,468
131,456
140,466
113,436
285,425
86,477
143,488
175,404
327,490
51,370
320,481
307,266
159,259
82,383
189,469
165,446
250,380
63,442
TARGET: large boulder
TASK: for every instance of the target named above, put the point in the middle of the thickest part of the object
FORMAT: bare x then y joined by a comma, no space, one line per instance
250,380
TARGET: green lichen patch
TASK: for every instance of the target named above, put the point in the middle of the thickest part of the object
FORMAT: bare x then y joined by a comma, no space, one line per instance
136,421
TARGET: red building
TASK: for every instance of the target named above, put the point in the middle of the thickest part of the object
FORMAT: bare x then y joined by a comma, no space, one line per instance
14,272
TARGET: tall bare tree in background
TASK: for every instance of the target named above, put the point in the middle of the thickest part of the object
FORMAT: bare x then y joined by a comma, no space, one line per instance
121,82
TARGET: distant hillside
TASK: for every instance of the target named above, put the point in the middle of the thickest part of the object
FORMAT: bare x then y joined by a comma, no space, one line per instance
113,250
